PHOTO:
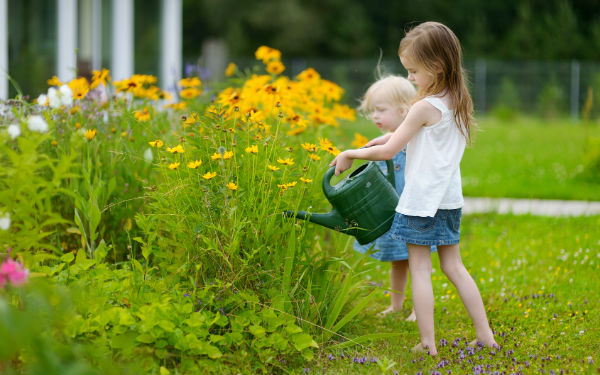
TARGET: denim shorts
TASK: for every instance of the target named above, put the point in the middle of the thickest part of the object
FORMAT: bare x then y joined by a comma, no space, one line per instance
442,229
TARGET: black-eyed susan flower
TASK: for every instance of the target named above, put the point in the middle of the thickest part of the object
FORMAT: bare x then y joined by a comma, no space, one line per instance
309,147
173,166
100,77
158,143
314,157
190,82
287,161
190,93
252,149
90,134
228,155
209,175
359,140
194,164
177,106
275,67
176,150
54,81
305,180
80,87
142,115
231,186
267,54
273,167
216,156
231,68
191,120
77,126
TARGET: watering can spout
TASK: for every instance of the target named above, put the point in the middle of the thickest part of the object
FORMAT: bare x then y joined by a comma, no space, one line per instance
332,220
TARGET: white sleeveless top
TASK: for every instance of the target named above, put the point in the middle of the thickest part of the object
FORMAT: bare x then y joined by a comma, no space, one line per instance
432,174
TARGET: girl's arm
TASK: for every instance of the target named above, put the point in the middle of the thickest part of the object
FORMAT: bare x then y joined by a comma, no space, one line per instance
379,140
420,114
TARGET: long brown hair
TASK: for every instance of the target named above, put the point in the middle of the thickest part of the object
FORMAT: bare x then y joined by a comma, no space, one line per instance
434,46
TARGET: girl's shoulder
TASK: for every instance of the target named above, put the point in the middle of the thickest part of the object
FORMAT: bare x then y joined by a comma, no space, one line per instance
427,111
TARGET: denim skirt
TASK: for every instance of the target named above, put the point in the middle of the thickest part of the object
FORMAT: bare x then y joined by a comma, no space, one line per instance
442,229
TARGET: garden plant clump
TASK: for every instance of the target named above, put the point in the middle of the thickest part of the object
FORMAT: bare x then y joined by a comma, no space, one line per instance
160,223
144,234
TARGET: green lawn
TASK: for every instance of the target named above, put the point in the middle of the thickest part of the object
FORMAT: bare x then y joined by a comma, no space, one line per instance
538,279
527,158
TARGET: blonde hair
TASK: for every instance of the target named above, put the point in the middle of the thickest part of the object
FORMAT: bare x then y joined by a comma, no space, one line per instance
434,47
396,90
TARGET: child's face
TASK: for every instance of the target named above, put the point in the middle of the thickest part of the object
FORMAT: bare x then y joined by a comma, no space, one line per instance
416,73
386,116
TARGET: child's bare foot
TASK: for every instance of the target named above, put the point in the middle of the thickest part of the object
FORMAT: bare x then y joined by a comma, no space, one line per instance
420,348
489,343
412,317
387,312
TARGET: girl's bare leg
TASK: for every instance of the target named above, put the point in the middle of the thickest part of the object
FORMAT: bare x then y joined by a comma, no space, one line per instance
452,265
419,262
398,280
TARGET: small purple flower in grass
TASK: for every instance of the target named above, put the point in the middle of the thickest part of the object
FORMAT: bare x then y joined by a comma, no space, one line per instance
331,357
306,370
186,295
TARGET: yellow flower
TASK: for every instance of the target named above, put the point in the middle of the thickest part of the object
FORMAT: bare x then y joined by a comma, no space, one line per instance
309,147
123,134
190,120
314,157
54,143
230,69
228,155
143,115
275,67
215,156
194,164
54,81
189,93
267,54
325,143
77,126
305,180
232,186
173,166
99,77
177,106
288,161
80,87
252,149
333,150
273,167
90,134
176,150
359,140
190,82
158,143
284,187
209,175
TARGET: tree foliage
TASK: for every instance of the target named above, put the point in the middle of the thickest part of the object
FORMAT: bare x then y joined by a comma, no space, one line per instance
528,29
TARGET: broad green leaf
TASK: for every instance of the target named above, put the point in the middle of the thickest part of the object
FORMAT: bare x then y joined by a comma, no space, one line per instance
302,341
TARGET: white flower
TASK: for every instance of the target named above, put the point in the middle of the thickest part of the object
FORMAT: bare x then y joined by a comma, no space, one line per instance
5,221
66,95
53,98
42,99
148,155
37,124
14,130
61,97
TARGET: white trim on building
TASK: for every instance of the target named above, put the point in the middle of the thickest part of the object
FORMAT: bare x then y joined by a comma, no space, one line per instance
122,39
171,30
66,61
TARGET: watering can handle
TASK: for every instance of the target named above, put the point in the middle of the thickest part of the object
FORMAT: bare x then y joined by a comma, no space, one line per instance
328,189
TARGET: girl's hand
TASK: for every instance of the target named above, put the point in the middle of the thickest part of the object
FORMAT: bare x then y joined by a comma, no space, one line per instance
381,140
341,162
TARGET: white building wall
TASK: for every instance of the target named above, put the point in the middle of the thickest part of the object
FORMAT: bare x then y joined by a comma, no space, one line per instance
171,30
4,49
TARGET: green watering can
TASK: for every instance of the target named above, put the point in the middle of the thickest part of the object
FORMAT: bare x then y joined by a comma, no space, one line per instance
363,203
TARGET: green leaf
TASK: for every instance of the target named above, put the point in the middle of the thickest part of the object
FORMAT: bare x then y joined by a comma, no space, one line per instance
67,258
302,341
166,325
146,338
212,351
257,330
